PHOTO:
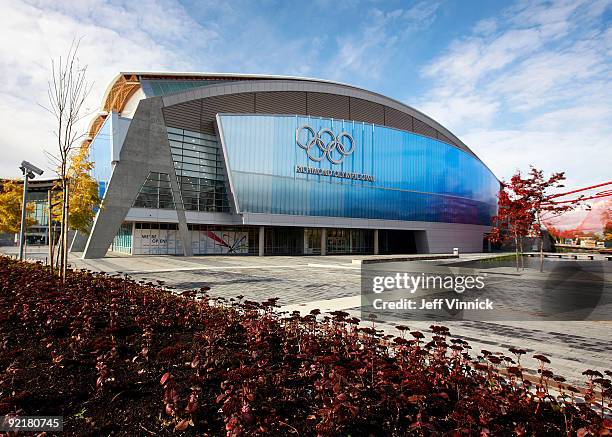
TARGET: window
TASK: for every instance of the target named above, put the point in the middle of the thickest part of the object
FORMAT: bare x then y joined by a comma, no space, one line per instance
123,240
198,162
156,192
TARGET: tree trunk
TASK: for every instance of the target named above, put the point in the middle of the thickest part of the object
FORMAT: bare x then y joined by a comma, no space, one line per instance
539,222
66,227
516,251
50,230
56,250
62,239
541,251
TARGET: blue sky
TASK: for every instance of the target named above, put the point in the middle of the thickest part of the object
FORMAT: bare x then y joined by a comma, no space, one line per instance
520,82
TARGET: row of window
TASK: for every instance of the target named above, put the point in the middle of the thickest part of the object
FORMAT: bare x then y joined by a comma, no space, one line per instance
156,192
197,194
163,238
190,135
170,226
199,167
202,159
188,149
123,240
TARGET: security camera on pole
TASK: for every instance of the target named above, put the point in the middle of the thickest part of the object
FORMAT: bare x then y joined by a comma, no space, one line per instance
28,173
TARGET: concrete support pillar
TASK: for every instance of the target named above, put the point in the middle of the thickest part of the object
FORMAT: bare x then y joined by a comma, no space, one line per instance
262,241
78,242
323,241
376,250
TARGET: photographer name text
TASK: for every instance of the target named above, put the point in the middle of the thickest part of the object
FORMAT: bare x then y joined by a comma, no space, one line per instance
433,304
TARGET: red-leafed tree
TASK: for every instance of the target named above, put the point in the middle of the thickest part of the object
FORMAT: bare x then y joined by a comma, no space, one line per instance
563,234
524,204
558,234
535,190
513,220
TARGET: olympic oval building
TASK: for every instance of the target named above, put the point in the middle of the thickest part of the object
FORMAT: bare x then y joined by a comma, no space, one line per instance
192,164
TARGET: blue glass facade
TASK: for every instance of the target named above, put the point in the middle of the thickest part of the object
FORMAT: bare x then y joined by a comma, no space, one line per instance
415,178
100,154
106,148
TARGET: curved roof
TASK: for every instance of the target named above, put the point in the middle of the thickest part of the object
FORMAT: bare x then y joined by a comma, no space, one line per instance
177,87
125,84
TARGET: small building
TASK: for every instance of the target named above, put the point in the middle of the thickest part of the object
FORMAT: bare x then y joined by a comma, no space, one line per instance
38,196
588,242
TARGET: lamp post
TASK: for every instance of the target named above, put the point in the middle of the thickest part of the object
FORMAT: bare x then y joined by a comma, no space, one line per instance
28,171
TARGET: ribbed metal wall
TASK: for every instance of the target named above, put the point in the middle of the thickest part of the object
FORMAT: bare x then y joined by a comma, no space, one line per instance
370,112
328,105
281,102
199,115
444,138
184,115
232,103
424,129
399,119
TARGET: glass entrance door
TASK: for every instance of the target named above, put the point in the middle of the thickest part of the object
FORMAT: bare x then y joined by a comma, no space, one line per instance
338,241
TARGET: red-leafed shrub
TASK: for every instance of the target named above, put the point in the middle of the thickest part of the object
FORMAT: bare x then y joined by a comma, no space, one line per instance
117,357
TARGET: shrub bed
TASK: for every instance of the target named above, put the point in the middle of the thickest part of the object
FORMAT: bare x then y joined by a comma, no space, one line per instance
118,357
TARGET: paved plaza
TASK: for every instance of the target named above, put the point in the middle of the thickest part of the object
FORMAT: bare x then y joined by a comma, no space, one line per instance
333,283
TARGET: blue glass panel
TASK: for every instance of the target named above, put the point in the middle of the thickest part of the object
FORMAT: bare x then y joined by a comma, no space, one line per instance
414,177
100,154
162,87
101,189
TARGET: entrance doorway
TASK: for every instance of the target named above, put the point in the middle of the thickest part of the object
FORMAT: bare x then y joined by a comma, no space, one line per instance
284,241
392,241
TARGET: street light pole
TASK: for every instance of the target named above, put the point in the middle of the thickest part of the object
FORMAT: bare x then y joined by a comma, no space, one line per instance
26,176
28,172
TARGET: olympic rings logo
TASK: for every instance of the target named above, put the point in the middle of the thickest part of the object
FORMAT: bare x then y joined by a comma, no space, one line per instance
326,142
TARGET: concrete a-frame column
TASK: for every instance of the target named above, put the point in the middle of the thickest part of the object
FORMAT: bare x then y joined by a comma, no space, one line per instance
324,241
262,241
78,242
145,149
376,250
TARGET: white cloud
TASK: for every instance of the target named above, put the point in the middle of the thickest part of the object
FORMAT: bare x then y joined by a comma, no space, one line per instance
122,35
115,37
457,110
554,75
469,60
531,87
485,27
367,53
573,119
421,15
583,154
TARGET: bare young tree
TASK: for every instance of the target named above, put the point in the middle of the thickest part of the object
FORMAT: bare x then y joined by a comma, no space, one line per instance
67,91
